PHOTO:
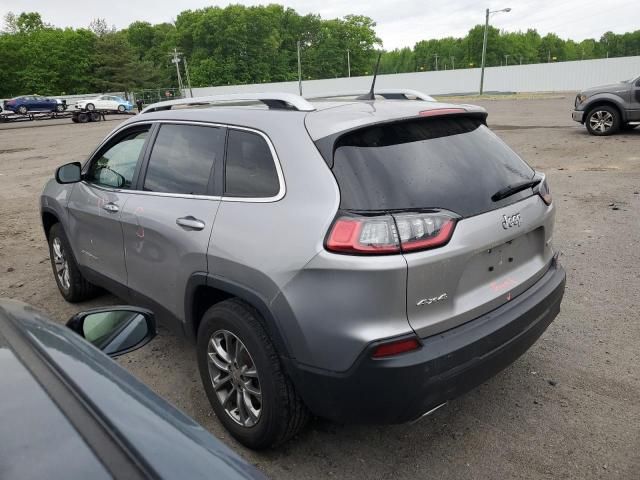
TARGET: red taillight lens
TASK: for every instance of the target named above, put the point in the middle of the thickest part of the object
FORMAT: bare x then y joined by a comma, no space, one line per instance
545,192
441,111
363,235
388,234
396,347
423,231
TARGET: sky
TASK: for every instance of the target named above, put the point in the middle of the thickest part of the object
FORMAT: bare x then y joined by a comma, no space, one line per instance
400,23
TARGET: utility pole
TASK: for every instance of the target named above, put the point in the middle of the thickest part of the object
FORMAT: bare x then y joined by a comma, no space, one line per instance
176,60
484,43
186,71
299,71
436,55
349,63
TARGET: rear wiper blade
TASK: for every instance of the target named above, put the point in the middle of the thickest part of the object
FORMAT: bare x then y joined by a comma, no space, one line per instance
515,188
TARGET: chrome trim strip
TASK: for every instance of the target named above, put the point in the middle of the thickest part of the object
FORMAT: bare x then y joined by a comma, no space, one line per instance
292,99
276,160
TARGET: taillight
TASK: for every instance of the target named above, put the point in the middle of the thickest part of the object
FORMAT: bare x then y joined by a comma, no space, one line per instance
364,235
545,192
423,231
388,234
395,347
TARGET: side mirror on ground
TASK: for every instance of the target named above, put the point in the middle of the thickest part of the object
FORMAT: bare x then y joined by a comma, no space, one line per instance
69,173
115,330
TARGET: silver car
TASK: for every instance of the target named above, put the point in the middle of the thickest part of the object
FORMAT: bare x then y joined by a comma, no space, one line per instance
363,261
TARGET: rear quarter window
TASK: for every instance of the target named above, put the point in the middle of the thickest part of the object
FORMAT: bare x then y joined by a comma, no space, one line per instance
250,169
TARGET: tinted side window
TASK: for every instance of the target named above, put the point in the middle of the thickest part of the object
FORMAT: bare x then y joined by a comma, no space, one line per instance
182,159
115,166
250,169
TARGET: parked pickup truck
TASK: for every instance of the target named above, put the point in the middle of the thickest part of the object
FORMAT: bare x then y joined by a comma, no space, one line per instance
605,110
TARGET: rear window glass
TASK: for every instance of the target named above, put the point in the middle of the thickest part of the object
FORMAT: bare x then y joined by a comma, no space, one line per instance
182,159
250,168
453,163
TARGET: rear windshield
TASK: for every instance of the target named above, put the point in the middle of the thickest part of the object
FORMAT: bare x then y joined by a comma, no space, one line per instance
453,163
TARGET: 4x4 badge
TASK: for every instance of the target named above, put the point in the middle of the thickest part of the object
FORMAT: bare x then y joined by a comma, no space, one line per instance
429,301
511,221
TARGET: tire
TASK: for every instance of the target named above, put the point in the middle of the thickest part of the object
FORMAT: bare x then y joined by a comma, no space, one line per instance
83,117
281,413
72,285
90,107
94,117
121,108
603,120
59,108
22,110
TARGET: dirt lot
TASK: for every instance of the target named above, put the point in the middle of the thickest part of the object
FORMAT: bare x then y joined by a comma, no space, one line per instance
569,408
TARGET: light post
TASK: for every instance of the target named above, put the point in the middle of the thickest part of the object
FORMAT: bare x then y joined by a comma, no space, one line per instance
299,70
506,59
349,63
453,63
436,55
484,43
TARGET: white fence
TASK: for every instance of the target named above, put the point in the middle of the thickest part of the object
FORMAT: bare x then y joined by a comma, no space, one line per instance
541,77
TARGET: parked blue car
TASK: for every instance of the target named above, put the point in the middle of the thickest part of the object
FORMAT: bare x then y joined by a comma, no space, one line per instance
33,103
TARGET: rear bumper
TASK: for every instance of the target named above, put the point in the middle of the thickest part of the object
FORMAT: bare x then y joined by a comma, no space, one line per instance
402,388
578,116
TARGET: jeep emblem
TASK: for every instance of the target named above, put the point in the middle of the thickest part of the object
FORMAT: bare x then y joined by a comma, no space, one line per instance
511,221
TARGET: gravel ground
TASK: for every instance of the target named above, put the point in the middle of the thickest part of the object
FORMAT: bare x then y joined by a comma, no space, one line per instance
568,408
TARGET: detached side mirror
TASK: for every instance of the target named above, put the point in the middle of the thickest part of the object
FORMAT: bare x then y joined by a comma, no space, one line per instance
115,330
69,173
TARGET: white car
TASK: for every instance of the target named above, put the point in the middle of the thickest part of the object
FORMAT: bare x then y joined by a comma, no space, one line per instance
105,102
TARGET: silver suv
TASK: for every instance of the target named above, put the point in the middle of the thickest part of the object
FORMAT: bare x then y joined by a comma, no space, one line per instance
362,261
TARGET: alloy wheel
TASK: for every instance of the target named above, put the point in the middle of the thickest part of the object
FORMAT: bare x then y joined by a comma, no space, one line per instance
61,264
601,121
235,378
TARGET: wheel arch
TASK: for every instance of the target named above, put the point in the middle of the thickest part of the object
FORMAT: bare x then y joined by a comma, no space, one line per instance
49,219
205,290
606,101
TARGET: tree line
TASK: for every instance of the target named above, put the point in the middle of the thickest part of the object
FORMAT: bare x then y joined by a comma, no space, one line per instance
238,45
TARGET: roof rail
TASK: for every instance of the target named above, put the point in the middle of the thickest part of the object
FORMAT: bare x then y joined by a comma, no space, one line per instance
387,93
276,101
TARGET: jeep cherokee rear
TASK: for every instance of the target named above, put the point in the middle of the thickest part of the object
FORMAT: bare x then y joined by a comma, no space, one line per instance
396,251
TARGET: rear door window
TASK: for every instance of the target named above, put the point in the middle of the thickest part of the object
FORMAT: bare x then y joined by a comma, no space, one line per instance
451,163
182,159
250,169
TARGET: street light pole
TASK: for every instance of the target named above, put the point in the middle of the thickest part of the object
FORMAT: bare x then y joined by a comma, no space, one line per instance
436,55
299,71
484,44
506,59
349,63
186,71
453,63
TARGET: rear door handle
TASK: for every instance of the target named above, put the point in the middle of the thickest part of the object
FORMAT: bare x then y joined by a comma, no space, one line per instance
111,207
190,222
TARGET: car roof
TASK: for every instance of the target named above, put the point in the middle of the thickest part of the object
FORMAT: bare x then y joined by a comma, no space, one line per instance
327,118
342,116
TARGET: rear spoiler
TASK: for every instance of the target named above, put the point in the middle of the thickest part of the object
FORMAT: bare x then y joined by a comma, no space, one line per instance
327,145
